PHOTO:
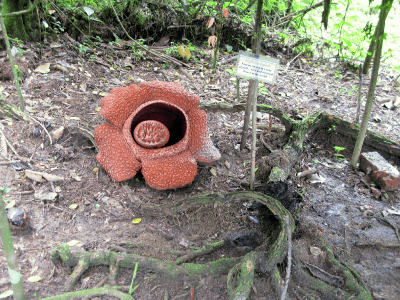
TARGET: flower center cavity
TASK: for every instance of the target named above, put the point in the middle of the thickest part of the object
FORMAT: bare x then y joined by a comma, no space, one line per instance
157,125
151,134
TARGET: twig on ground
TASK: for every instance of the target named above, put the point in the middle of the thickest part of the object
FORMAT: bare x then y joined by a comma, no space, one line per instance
288,64
228,60
9,162
12,148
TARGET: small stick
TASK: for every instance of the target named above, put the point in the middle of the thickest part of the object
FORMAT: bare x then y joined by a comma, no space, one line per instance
288,64
289,233
9,162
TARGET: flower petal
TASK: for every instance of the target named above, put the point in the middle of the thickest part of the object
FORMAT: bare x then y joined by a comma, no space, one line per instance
171,172
171,92
120,103
200,143
114,155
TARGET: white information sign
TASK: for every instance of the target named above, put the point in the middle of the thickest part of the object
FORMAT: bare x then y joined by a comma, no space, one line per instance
258,67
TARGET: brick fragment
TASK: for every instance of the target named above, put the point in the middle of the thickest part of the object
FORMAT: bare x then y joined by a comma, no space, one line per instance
386,176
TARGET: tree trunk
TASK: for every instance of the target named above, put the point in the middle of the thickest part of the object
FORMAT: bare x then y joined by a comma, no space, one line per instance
371,49
15,25
385,7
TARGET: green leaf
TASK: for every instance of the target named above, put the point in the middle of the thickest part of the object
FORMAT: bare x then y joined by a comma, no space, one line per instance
35,278
88,10
6,190
347,42
6,294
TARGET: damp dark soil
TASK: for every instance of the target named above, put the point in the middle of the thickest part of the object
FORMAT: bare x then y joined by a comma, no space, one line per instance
342,211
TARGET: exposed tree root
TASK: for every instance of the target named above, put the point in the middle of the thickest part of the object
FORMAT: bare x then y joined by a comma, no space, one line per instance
207,248
82,261
317,120
352,288
240,270
105,290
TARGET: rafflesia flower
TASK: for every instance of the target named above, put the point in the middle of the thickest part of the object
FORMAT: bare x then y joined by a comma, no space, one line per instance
156,128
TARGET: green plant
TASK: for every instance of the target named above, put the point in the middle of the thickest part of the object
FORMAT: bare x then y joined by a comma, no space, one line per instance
98,39
262,90
240,42
337,150
82,49
137,51
333,128
57,25
338,76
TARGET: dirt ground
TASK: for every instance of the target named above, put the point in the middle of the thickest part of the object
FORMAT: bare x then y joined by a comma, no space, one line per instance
343,209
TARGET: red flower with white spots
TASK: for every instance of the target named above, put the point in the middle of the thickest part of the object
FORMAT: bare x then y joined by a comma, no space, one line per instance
158,129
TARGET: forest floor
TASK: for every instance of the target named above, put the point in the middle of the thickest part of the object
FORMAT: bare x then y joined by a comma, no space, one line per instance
341,209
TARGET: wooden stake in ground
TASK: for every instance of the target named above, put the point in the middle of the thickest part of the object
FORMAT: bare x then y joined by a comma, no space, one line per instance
385,7
255,93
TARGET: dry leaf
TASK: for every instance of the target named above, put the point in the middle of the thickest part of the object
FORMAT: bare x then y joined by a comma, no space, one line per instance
212,40
73,206
315,250
56,134
73,243
76,177
34,176
51,177
225,11
39,176
181,51
315,178
210,22
44,69
306,172
188,55
6,294
44,195
213,171
35,278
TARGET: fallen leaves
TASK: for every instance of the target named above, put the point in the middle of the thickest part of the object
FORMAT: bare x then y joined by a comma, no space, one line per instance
41,176
43,69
